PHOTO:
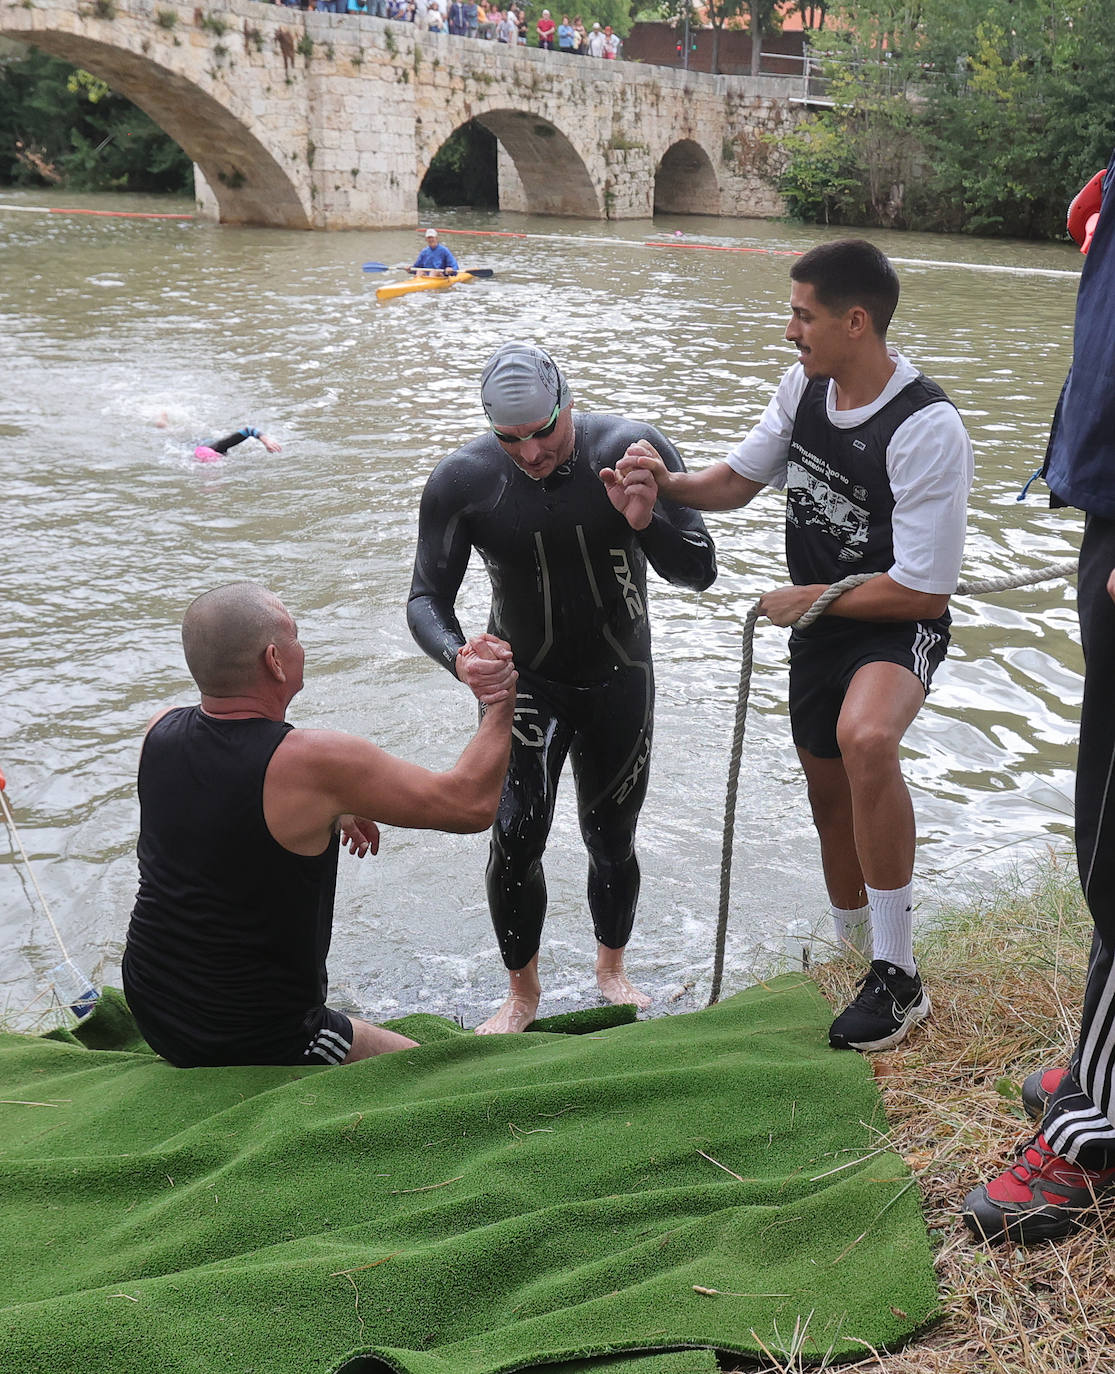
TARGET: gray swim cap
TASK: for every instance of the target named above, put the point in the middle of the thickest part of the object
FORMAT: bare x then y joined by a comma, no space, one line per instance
521,384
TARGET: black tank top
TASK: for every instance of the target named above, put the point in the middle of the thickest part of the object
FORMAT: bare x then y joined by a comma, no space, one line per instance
230,931
839,501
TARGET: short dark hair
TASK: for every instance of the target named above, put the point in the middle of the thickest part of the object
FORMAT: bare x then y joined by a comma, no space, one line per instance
850,272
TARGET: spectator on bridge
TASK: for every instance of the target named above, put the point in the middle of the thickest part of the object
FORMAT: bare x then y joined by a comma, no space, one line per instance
580,37
521,20
472,19
508,29
595,45
485,24
457,19
354,6
612,43
566,35
434,17
546,31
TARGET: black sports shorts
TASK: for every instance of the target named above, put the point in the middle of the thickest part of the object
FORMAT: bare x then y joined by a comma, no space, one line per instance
822,666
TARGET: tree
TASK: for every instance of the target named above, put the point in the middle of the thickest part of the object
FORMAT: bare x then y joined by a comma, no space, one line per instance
63,125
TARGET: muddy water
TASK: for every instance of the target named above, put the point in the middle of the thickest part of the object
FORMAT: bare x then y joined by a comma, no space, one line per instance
111,528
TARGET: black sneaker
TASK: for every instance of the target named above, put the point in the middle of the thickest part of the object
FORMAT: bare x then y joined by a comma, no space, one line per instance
1038,1089
890,1001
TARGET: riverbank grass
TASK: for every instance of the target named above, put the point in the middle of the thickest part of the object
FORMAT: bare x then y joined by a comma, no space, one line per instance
1006,975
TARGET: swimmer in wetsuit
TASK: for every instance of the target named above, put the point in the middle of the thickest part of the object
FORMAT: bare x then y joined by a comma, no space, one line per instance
216,448
566,547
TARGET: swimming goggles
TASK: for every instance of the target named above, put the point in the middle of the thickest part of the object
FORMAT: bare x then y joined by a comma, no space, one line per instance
543,433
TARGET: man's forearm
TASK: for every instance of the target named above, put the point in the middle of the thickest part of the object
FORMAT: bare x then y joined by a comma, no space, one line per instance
435,627
685,557
718,487
477,777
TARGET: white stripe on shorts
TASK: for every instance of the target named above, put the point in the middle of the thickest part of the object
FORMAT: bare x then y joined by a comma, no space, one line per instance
328,1045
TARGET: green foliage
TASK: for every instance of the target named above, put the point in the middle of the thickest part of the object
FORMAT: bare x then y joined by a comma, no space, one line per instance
614,12
104,9
305,46
213,23
463,171
56,117
166,19
956,115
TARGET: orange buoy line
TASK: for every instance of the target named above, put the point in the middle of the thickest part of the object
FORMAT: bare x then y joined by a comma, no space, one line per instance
723,248
598,239
111,214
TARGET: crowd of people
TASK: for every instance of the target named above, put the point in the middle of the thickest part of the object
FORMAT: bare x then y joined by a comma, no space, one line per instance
488,22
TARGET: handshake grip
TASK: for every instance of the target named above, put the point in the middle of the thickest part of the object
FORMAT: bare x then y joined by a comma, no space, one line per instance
485,665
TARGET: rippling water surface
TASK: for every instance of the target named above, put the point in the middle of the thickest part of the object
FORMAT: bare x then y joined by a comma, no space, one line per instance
111,528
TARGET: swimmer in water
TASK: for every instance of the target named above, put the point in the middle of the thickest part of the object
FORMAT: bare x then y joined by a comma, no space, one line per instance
213,449
217,448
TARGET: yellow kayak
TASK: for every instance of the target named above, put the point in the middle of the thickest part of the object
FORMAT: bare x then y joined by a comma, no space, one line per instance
404,288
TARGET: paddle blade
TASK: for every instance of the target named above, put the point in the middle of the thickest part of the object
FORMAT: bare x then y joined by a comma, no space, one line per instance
376,267
479,272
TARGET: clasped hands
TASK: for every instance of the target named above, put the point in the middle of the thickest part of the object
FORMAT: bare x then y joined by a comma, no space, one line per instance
632,485
484,664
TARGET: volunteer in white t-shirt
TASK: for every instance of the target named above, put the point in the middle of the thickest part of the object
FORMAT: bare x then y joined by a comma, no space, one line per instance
877,466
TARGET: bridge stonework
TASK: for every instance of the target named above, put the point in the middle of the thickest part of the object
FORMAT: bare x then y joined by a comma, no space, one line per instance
309,120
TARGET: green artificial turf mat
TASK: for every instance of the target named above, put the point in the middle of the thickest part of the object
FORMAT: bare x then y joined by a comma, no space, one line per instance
472,1206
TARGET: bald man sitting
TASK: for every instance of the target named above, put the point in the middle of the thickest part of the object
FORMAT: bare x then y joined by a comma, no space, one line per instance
241,822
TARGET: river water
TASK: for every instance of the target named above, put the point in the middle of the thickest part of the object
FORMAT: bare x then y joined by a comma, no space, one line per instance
111,528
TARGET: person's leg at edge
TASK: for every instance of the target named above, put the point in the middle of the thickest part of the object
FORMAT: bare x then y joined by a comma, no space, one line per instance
1080,1120
515,878
611,765
1054,1182
369,1040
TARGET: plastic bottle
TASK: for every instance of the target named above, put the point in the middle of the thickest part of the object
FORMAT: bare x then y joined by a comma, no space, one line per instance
73,988
799,944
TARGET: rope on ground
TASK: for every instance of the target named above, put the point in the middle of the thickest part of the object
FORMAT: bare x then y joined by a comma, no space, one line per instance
1049,573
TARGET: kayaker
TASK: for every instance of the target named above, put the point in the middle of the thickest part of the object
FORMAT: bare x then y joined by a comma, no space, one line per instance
435,259
877,465
241,821
566,548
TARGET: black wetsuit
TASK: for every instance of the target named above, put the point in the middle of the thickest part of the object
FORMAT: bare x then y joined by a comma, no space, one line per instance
568,578
231,440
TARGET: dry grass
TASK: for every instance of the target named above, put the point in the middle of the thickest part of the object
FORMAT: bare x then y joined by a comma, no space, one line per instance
1006,978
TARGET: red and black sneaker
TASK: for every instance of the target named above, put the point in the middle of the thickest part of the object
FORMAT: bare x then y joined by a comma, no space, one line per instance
1038,1089
1041,1196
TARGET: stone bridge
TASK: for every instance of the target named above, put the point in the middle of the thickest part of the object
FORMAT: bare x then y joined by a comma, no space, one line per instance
304,120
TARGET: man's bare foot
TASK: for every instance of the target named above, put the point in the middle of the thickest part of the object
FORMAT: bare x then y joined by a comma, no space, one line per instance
613,982
515,1015
521,1006
618,989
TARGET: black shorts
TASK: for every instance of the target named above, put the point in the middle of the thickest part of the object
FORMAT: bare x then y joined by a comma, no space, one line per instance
321,1036
822,666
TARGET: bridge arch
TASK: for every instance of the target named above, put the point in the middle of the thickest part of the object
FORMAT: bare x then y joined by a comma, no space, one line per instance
554,177
249,182
685,181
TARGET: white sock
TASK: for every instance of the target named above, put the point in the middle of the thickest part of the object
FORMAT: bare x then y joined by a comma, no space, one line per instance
892,916
853,929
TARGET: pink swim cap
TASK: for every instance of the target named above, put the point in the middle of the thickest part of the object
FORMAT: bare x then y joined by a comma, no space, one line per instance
206,455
